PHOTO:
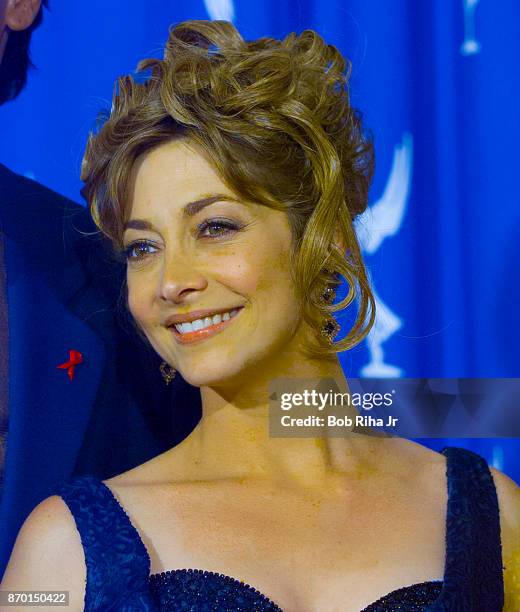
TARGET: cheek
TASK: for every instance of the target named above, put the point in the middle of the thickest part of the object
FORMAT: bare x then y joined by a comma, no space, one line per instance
239,268
265,277
251,269
272,273
138,300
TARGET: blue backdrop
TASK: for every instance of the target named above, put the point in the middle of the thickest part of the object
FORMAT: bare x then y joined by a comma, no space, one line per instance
438,84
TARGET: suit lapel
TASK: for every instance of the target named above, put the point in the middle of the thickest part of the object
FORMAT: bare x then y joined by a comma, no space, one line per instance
48,412
45,332
55,303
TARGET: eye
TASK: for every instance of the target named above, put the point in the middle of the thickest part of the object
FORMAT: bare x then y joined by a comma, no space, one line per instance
214,228
138,250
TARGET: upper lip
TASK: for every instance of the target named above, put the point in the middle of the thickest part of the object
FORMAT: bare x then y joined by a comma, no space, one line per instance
197,314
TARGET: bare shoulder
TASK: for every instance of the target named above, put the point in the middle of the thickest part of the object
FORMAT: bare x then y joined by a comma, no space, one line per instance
48,554
430,467
156,470
401,456
143,474
508,494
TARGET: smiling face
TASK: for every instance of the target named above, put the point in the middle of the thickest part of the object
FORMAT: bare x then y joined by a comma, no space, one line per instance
195,250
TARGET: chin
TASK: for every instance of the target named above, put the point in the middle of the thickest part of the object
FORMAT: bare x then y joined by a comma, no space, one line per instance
226,366
223,371
213,377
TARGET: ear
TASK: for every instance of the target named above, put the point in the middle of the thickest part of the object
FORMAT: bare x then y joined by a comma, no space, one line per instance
20,14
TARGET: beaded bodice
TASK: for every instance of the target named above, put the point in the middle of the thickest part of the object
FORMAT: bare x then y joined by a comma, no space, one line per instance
204,591
118,565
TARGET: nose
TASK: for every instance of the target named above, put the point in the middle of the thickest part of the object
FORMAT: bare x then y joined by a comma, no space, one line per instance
178,280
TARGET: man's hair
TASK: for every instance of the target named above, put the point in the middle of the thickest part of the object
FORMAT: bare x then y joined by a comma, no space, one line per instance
274,119
16,61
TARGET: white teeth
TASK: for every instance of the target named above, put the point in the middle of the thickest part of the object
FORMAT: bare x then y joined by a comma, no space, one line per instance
198,324
184,328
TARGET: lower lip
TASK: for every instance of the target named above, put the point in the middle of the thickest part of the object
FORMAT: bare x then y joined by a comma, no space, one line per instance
202,334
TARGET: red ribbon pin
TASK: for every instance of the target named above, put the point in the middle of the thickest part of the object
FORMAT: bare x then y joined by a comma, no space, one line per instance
75,358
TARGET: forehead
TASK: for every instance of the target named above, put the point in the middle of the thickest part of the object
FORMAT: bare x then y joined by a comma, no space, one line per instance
173,172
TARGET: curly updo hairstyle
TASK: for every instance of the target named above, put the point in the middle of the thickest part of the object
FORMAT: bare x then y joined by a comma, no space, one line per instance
274,119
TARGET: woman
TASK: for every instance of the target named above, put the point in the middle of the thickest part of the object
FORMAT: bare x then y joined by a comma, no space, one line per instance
230,179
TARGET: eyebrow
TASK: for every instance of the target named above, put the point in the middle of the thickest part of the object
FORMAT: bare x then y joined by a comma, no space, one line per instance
189,210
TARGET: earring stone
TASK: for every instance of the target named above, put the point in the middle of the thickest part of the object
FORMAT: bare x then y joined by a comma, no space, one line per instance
167,372
330,328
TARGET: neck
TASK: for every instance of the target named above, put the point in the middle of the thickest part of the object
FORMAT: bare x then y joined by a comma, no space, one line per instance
232,440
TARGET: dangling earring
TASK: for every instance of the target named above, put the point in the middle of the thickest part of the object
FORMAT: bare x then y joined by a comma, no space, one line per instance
330,326
329,295
167,372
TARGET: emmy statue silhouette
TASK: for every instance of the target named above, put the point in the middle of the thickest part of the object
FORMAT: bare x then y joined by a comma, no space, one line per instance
379,221
220,9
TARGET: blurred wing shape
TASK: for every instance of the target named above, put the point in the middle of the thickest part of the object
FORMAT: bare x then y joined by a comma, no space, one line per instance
220,9
384,218
385,324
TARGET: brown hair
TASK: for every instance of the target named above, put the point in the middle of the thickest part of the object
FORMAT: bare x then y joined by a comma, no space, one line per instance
274,119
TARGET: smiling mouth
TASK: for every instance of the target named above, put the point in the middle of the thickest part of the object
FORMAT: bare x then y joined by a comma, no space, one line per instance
200,329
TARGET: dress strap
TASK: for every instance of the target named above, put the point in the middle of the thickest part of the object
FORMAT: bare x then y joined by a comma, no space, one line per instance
117,563
473,578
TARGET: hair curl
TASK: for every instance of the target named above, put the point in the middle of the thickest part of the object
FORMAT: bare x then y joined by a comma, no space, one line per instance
274,119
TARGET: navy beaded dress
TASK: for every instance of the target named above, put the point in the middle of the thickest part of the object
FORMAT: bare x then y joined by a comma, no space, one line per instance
118,565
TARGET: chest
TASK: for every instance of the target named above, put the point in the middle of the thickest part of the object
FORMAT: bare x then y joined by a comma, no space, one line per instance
303,552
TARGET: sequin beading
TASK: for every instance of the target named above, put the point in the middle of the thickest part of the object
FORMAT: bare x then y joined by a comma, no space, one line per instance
414,598
194,590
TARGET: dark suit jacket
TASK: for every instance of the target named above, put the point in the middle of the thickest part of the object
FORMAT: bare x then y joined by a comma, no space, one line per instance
62,293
